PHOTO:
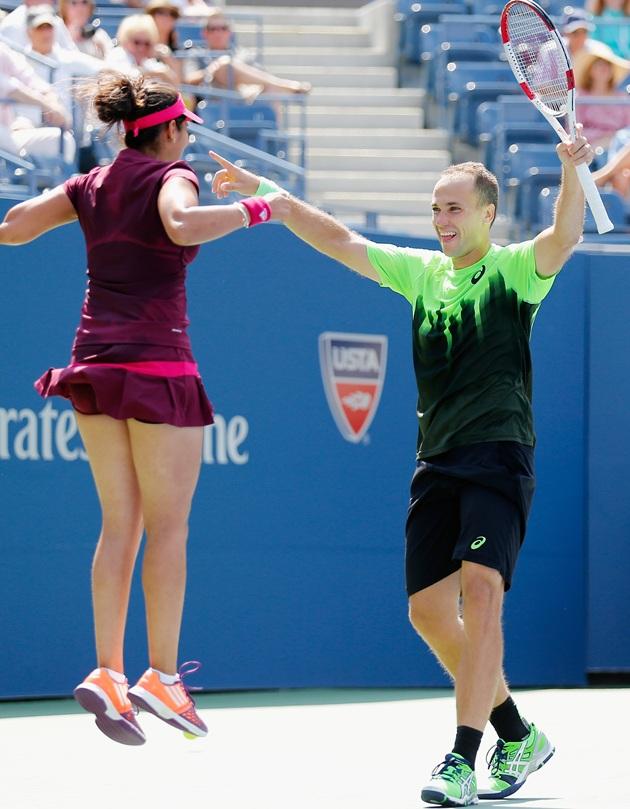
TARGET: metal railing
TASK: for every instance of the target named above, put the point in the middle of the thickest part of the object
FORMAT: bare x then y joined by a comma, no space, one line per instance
287,174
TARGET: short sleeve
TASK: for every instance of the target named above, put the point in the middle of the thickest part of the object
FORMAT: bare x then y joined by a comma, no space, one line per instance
400,268
73,187
518,266
179,170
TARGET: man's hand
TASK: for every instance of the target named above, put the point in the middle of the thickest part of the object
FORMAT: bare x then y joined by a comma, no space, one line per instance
575,153
231,178
280,205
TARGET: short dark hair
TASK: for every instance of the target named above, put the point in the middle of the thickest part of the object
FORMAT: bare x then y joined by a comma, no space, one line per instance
486,184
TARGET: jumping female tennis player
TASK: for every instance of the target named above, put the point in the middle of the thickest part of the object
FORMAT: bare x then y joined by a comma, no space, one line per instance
134,383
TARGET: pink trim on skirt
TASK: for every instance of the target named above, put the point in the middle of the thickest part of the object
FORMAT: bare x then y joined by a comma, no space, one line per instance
151,367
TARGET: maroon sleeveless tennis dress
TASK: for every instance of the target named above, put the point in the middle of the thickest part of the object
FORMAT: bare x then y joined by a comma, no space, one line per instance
131,356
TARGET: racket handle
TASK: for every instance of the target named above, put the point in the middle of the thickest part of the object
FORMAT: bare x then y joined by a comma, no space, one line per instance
604,225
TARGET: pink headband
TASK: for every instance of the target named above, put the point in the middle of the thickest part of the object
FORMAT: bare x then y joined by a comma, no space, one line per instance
161,117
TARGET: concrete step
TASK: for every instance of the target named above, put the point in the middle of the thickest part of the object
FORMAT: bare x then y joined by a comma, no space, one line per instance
346,77
375,138
373,183
286,36
367,160
398,226
401,118
366,96
301,15
401,203
326,57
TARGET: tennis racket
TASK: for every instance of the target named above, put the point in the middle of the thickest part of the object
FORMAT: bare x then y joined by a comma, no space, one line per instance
542,67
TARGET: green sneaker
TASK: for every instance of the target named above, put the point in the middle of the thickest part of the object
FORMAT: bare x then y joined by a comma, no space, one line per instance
453,783
511,762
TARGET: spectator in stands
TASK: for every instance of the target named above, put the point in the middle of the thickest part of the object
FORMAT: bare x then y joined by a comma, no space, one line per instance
576,27
612,24
616,172
600,73
135,53
19,82
230,72
88,37
165,15
473,305
13,27
69,65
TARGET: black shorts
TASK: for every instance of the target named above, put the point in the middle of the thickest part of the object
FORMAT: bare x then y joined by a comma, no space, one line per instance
468,503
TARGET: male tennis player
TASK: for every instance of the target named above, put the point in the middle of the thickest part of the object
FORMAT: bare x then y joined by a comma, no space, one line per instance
473,308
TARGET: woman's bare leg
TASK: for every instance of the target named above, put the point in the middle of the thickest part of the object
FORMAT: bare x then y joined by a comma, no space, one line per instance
106,441
167,460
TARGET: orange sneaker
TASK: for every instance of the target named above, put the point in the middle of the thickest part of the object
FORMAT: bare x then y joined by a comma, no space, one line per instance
171,703
101,695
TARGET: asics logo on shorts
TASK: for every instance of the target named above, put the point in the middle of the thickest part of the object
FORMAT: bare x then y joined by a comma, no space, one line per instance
477,543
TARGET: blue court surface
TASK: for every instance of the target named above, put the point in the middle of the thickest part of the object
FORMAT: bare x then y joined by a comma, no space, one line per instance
340,749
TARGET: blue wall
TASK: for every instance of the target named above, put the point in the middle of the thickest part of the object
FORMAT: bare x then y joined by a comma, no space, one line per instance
296,545
609,457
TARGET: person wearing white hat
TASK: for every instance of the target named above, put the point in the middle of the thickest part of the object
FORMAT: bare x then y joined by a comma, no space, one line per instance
600,74
576,28
13,26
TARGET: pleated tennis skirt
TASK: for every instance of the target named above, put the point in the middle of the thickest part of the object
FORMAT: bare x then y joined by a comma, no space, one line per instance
154,384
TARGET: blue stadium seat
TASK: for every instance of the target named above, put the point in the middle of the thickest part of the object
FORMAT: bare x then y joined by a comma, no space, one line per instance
452,82
17,176
615,207
518,109
504,160
520,157
472,96
447,52
417,15
243,122
525,203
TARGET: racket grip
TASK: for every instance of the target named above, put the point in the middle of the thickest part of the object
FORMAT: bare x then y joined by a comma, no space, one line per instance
591,192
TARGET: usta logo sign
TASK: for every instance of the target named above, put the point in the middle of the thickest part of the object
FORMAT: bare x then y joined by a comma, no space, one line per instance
353,372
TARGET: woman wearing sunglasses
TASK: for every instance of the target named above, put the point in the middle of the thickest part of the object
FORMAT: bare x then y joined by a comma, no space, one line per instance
136,53
226,68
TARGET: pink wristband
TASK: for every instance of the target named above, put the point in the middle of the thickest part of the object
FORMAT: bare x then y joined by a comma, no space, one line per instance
258,210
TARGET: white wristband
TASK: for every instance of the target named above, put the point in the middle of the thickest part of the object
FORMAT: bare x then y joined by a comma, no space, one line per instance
244,214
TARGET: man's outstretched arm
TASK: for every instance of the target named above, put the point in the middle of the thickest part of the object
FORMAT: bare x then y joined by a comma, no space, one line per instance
319,229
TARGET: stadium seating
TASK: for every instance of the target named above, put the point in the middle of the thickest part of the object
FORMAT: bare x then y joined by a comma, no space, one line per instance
417,15
614,204
17,176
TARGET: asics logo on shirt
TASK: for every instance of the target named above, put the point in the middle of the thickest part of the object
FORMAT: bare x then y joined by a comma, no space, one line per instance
478,275
477,543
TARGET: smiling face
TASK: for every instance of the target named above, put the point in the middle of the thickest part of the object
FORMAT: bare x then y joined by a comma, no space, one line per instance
461,219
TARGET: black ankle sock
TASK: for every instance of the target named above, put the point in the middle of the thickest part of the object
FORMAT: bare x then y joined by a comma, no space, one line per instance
507,722
467,743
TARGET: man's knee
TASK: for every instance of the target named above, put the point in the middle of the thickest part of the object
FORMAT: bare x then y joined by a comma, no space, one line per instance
482,587
426,613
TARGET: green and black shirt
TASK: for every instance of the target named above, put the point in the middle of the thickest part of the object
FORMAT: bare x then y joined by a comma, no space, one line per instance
471,330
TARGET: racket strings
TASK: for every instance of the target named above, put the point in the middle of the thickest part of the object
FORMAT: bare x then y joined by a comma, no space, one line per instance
539,57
